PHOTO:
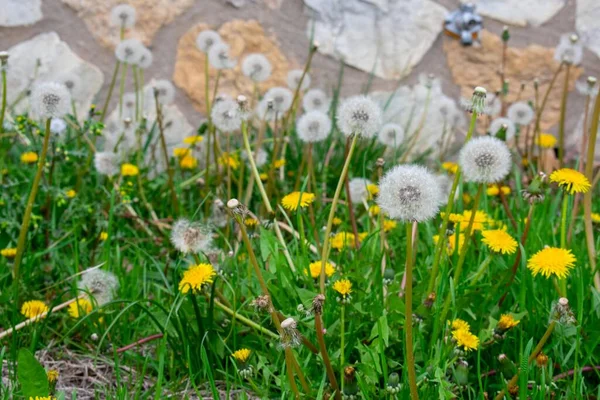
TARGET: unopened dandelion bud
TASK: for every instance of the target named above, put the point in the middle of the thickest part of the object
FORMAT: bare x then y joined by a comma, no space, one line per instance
428,303
388,276
591,80
505,34
541,360
461,372
233,204
3,58
393,386
190,237
507,367
380,162
534,192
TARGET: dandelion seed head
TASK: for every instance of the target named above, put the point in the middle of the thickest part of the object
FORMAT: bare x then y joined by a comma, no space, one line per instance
206,39
520,113
485,160
191,237
101,285
293,79
260,157
313,126
122,15
359,115
257,67
316,100
500,123
391,135
569,49
145,58
409,193
359,189
50,100
164,90
128,51
106,163
58,126
218,56
226,115
281,99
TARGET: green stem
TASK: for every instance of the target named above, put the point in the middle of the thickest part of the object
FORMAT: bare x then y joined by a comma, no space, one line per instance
563,238
342,347
442,231
165,152
410,355
3,110
563,113
246,321
336,197
28,209
481,269
122,89
110,91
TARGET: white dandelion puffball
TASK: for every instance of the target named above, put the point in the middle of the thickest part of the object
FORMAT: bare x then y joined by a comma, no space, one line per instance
316,100
101,285
122,15
145,58
281,98
218,56
391,135
569,49
409,193
359,191
265,111
257,67
165,92
206,39
226,116
497,124
260,157
520,113
128,51
72,82
359,115
190,237
445,185
50,100
293,79
484,160
58,126
314,126
106,163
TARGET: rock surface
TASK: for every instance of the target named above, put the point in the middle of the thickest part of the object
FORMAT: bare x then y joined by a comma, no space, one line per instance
519,12
588,23
20,12
479,66
57,62
244,37
151,15
383,36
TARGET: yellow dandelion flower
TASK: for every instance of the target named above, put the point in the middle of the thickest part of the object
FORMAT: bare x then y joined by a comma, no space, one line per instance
343,287
546,141
596,218
465,339
337,221
389,224
52,375
451,244
450,166
251,222
229,160
552,261
454,218
507,322
33,308
279,163
241,355
373,190
293,200
466,197
188,162
499,241
362,236
493,190
42,398
460,324
181,152
481,218
80,308
263,176
315,269
70,193
29,157
342,239
571,180
374,210
129,170
193,139
195,277
103,236
9,252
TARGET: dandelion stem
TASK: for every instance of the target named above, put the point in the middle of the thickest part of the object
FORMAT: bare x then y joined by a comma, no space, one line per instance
532,357
326,361
3,109
442,231
122,89
110,91
246,321
28,209
163,144
410,356
349,203
336,197
563,113
461,258
342,347
587,197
